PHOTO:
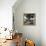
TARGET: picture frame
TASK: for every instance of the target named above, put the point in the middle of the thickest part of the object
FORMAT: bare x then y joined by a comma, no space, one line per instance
29,19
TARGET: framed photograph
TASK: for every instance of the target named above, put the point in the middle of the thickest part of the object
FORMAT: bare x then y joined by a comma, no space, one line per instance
29,19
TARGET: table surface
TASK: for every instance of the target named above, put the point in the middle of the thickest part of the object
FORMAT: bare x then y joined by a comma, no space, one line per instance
8,43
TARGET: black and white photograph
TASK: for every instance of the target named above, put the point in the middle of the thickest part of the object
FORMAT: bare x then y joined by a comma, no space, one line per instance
29,19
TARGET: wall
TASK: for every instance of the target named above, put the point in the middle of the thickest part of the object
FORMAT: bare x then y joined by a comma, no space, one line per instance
6,13
29,31
43,22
